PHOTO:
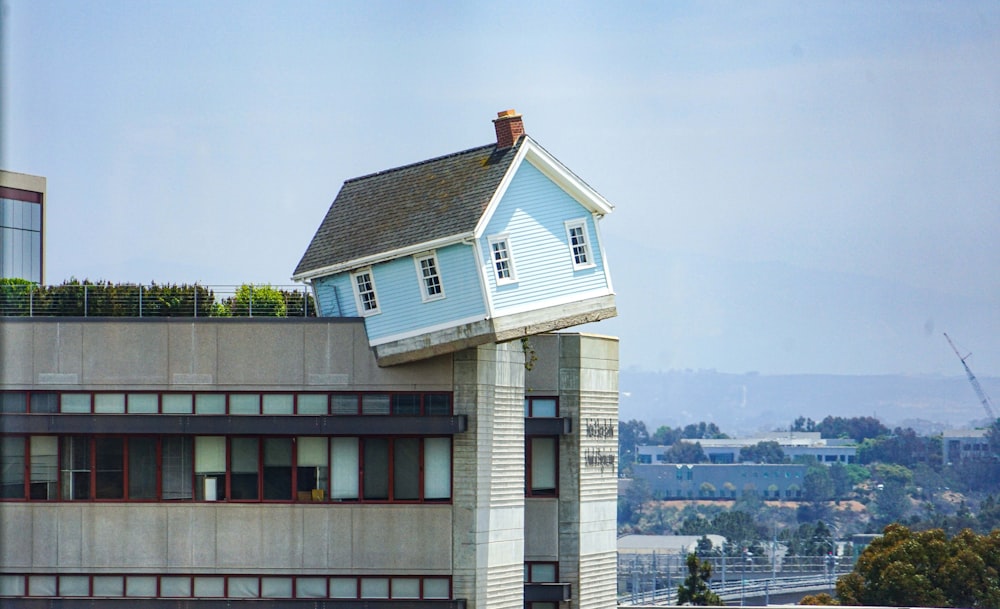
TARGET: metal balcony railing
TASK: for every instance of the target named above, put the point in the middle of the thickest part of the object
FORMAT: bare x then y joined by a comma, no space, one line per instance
133,300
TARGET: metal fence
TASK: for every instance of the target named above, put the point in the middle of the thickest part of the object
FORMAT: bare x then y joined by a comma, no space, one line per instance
132,300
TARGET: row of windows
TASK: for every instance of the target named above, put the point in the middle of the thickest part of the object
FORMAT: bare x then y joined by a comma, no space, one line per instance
217,468
790,493
339,403
224,586
502,260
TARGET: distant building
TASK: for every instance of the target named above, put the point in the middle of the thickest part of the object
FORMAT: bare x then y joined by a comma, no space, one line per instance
721,481
962,444
665,544
793,444
22,221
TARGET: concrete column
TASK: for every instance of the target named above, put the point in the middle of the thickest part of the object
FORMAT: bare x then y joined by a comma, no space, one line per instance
488,502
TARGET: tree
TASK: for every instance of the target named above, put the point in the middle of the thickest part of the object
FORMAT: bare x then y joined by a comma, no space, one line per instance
892,502
694,590
925,569
685,452
631,434
804,424
817,485
762,452
703,431
665,436
856,428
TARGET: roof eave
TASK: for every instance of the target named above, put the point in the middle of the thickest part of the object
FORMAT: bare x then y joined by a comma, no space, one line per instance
364,261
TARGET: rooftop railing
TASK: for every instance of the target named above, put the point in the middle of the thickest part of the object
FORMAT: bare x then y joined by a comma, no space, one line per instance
75,299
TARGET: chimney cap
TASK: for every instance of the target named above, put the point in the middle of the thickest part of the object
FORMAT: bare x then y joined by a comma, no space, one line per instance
512,113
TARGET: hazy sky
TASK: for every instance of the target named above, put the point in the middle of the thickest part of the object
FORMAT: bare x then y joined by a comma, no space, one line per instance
204,141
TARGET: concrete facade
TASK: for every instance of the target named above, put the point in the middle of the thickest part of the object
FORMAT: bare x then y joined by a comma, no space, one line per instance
478,541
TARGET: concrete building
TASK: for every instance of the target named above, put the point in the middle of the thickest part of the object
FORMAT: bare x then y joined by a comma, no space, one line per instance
961,444
22,222
212,462
721,481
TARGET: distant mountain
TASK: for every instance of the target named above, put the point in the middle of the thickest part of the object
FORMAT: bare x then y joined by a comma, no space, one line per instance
741,404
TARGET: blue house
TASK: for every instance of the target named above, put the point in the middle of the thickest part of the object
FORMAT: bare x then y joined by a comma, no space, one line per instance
480,246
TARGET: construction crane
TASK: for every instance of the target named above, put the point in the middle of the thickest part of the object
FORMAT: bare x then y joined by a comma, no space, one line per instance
975,382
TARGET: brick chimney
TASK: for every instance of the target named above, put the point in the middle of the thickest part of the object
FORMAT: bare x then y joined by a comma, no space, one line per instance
509,127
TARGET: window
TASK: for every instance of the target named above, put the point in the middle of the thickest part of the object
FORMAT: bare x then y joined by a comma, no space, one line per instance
503,262
75,466
542,464
364,292
541,572
541,407
12,467
579,244
430,279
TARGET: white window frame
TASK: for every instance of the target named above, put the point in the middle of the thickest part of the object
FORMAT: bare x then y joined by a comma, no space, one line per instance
425,280
357,292
511,272
587,251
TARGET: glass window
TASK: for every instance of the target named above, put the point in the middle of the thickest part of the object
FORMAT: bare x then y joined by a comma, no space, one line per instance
276,587
44,403
542,572
109,585
376,468
244,403
109,403
405,587
210,467
278,403
176,468
436,587
12,467
210,403
576,232
406,469
74,585
540,407
244,587
142,468
503,262
109,476
13,402
343,587
313,403
375,403
243,477
312,472
374,587
44,468
344,460
175,586
209,587
364,292
76,403
543,459
278,468
430,280
344,403
177,403
75,467
143,403
41,585
310,587
437,404
406,403
140,585
11,585
437,468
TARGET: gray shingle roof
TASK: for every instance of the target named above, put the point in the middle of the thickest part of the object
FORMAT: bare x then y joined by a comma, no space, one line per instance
408,205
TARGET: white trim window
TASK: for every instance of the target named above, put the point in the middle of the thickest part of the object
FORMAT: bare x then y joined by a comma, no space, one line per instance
429,277
501,259
364,292
579,244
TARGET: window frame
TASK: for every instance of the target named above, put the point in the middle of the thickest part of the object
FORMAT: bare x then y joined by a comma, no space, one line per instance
529,458
358,295
585,249
427,282
511,277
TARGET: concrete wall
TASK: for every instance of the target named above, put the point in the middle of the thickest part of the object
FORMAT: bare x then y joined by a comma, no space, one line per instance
191,354
225,538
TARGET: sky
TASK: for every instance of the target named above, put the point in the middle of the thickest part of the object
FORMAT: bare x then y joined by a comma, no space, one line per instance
799,186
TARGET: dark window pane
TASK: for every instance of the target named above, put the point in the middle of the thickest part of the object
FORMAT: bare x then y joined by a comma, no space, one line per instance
243,478
177,468
278,468
75,467
437,404
406,403
44,402
142,468
110,461
12,467
406,469
376,468
13,402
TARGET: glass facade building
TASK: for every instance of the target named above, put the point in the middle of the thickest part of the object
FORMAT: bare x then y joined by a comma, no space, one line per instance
21,219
